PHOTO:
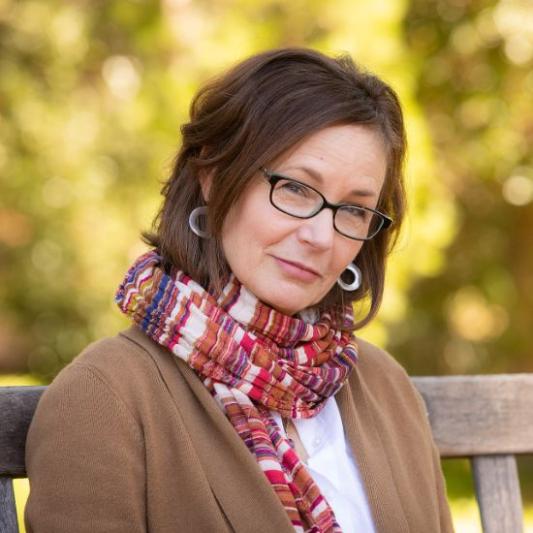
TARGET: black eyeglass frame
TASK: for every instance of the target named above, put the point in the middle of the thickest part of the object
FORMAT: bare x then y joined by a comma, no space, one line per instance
273,178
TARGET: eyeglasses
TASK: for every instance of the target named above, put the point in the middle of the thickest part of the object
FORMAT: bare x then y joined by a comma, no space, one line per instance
300,200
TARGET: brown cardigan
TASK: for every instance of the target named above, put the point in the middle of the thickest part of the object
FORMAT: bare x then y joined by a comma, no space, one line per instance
127,439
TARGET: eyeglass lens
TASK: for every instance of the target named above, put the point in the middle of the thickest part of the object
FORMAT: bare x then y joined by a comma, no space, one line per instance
301,201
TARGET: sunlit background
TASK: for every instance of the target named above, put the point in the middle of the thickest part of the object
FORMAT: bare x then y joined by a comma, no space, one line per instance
92,95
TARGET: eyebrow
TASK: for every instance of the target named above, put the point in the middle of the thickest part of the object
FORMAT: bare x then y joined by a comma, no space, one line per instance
318,178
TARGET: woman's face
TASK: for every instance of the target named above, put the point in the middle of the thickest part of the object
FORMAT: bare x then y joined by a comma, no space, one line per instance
347,164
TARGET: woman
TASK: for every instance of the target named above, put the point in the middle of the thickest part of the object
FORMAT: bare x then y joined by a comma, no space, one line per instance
240,400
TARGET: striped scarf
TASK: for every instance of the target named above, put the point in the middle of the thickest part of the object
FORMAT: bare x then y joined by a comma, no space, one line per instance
253,359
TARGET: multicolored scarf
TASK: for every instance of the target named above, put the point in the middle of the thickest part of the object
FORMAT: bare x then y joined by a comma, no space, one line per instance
253,359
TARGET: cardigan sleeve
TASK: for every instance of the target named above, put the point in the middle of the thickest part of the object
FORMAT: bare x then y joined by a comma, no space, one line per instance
85,459
446,523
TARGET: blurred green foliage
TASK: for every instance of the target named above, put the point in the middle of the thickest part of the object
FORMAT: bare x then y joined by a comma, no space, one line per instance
92,95
475,81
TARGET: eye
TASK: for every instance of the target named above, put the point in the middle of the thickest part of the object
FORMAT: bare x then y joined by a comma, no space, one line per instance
295,188
356,213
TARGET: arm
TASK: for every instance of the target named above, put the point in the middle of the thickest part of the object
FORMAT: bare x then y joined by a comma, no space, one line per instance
85,459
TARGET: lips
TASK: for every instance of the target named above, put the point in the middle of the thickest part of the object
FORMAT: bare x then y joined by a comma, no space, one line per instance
297,270
299,265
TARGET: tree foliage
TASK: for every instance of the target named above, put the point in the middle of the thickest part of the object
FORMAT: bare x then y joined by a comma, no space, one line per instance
475,83
92,95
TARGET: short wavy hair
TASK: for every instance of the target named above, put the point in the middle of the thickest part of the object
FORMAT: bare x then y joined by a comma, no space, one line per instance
247,117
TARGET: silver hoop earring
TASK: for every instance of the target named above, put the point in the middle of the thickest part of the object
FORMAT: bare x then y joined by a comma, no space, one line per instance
196,213
357,278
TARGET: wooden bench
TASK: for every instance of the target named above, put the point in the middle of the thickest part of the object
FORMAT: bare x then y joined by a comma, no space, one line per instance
488,419
17,405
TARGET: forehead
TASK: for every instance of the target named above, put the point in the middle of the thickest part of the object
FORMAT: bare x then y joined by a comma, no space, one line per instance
343,156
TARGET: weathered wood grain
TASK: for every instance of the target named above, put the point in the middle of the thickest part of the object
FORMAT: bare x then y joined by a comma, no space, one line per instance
17,405
8,514
498,493
480,415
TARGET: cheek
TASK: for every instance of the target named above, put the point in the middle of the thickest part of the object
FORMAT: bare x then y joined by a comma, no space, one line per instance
247,230
234,231
253,224
344,256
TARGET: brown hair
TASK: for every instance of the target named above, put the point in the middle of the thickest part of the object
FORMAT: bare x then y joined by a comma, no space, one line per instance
246,118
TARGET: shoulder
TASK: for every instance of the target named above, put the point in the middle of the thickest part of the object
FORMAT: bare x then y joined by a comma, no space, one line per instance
128,372
111,353
86,429
384,378
377,364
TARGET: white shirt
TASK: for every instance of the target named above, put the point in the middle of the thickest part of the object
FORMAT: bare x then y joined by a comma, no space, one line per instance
333,467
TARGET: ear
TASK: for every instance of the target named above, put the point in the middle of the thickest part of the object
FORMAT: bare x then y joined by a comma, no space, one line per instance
206,180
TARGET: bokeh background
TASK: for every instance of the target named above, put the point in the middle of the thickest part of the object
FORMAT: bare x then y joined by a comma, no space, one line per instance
92,95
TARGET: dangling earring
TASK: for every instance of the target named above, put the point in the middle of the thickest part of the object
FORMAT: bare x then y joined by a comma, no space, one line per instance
193,221
357,278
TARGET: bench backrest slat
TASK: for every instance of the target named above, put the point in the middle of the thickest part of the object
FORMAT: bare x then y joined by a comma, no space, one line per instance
17,405
480,415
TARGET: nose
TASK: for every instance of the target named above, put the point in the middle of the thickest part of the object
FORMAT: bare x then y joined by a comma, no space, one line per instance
318,231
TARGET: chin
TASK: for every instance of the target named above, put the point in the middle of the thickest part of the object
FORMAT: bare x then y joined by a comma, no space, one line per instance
281,308
287,309
287,300
280,305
